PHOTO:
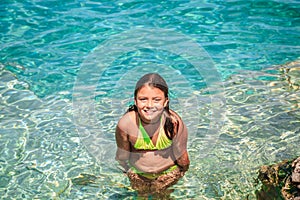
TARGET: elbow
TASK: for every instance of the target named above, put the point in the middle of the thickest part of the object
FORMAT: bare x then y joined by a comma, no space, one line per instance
183,162
122,155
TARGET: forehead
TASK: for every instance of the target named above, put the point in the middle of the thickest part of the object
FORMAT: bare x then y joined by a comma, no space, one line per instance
150,91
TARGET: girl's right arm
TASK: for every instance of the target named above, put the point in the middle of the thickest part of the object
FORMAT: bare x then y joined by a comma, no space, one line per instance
123,144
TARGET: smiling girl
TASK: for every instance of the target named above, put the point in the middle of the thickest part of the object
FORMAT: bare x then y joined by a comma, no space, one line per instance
152,139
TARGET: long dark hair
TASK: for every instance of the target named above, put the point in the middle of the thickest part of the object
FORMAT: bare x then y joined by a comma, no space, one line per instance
155,80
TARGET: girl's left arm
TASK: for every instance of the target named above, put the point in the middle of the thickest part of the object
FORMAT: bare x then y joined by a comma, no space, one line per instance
180,147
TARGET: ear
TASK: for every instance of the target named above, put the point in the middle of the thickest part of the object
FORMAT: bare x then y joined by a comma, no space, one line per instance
134,101
166,102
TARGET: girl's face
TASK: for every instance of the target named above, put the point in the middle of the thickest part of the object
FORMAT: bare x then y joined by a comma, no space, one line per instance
150,102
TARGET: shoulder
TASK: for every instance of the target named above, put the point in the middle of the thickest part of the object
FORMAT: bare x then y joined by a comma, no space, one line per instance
127,120
178,122
175,117
175,114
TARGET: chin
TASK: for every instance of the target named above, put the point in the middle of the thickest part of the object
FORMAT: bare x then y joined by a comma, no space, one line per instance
151,118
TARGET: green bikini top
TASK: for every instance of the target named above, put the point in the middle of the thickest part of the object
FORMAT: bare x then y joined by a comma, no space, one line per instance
144,141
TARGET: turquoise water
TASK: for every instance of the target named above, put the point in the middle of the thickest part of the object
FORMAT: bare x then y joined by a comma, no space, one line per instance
67,73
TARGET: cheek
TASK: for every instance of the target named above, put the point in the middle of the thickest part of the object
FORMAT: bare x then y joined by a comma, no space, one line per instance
160,105
140,105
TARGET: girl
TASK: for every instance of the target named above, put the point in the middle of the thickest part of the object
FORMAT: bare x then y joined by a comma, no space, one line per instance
152,139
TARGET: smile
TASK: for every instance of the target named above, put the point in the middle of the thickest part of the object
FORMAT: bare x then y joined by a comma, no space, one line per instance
151,111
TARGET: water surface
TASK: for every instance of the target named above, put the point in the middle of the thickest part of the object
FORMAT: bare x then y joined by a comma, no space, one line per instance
46,145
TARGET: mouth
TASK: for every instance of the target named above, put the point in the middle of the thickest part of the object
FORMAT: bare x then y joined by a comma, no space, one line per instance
149,111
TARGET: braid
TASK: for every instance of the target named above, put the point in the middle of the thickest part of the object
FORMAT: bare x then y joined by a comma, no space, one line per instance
169,127
132,108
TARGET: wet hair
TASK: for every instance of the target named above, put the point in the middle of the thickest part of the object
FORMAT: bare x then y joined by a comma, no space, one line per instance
155,80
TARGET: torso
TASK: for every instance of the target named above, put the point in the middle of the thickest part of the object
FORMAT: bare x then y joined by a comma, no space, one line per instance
151,161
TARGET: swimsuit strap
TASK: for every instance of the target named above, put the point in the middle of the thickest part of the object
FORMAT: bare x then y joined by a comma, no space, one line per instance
144,141
163,141
145,135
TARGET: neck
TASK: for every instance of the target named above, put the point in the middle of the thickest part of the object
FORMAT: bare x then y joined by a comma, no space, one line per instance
152,127
151,122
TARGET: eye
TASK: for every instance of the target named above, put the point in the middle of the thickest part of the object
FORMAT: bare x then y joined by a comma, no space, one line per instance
157,99
143,99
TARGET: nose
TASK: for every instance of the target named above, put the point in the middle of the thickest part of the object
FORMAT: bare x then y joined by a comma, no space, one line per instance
150,103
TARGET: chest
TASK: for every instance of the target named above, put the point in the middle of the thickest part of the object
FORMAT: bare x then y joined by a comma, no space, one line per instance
146,133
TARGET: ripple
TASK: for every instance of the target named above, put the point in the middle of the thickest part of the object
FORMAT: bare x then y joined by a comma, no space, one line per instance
44,42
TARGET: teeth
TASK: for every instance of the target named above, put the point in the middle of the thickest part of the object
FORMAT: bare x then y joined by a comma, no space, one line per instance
149,111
